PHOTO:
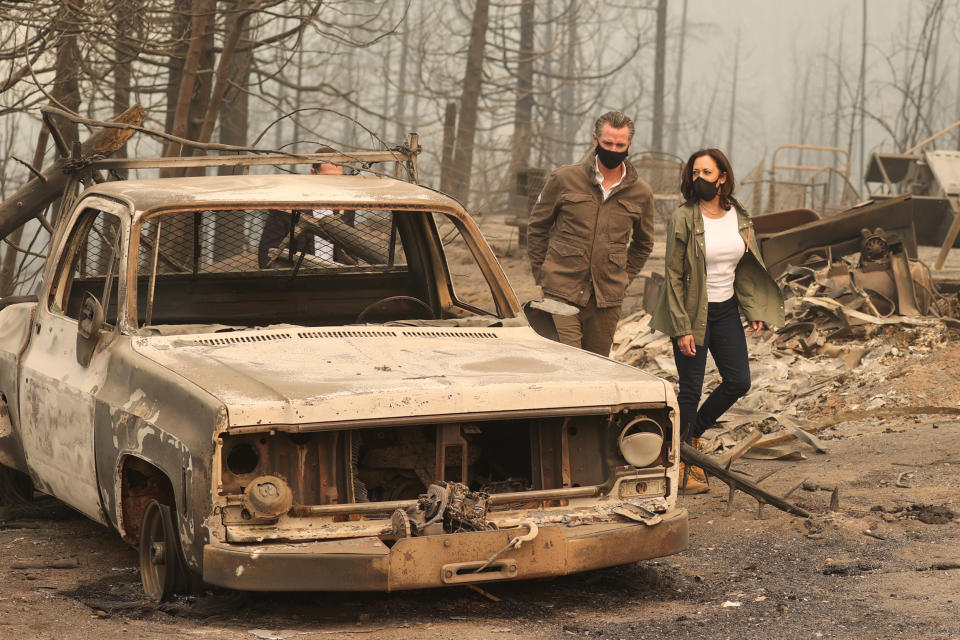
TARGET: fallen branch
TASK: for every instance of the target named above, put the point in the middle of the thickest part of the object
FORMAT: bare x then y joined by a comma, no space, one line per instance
693,457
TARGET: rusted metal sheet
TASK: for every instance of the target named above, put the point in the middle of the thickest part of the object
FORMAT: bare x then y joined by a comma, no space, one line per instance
777,221
838,236
945,166
933,178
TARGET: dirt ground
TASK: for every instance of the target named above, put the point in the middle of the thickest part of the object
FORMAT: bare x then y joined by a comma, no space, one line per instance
883,563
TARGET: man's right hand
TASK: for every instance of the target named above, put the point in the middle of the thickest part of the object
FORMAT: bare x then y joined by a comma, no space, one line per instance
687,345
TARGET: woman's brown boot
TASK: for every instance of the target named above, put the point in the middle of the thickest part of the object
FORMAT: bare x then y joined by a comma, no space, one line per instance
690,485
697,472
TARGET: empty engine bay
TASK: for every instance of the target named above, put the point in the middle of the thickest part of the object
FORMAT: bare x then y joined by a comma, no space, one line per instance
397,463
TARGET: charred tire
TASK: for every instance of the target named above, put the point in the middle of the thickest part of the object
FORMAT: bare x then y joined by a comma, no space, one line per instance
15,487
163,572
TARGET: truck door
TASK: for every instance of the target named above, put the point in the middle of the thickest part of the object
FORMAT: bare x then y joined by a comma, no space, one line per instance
57,388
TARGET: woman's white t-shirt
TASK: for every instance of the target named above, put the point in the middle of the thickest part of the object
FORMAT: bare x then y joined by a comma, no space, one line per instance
723,249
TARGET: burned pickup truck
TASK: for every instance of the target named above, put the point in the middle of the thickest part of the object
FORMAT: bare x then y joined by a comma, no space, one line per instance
294,382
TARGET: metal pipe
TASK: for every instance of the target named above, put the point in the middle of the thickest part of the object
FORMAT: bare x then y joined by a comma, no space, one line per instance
196,243
302,510
544,494
148,319
932,138
364,157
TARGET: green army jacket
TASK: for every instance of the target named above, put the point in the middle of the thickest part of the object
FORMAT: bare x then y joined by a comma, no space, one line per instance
682,305
580,244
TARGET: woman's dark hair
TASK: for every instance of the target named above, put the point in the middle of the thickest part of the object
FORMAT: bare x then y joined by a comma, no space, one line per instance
723,165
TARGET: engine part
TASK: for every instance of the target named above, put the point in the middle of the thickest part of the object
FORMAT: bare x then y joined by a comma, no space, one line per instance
450,507
267,497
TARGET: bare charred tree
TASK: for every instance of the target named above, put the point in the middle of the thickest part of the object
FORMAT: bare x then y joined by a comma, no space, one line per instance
835,137
228,237
523,112
659,67
862,92
912,86
449,140
676,118
66,85
189,98
469,101
733,94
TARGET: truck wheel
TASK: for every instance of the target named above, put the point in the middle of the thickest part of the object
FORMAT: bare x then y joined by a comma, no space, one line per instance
15,487
162,570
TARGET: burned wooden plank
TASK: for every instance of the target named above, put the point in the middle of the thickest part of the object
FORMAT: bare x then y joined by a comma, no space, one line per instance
731,456
885,412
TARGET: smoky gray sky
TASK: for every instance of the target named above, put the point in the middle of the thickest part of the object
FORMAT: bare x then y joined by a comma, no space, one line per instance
781,44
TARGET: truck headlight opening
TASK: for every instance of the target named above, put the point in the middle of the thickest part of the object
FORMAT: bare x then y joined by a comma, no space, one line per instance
641,442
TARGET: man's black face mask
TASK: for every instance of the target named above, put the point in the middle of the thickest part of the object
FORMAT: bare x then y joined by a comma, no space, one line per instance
610,159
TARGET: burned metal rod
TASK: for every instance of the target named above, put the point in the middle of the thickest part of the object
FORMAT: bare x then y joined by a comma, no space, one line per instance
691,456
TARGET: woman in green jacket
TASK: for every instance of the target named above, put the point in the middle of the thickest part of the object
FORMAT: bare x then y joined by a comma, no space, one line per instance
714,272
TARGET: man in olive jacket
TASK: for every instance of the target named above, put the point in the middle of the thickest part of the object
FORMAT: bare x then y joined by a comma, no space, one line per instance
590,234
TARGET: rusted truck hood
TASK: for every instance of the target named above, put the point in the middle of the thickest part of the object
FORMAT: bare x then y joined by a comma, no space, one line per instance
305,375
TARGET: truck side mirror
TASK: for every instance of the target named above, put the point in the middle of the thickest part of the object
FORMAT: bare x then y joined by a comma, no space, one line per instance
540,315
88,328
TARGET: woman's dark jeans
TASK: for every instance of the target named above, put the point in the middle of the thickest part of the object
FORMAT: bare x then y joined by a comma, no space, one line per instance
727,343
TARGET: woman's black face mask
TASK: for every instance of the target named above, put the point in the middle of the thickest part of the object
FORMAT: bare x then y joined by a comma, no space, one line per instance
704,190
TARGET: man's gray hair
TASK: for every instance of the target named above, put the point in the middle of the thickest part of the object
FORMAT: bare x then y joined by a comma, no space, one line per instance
616,119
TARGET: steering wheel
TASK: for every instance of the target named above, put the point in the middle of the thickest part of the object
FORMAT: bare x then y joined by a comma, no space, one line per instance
396,308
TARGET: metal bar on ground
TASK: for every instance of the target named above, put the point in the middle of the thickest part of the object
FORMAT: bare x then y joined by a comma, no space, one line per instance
691,456
951,234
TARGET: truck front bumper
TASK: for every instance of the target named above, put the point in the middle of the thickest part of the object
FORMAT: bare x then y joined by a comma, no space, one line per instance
366,564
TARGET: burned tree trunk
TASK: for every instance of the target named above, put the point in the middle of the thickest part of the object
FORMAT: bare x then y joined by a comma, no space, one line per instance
66,88
9,267
523,110
469,101
659,67
190,108
123,63
678,85
449,144
184,105
179,34
228,235
32,198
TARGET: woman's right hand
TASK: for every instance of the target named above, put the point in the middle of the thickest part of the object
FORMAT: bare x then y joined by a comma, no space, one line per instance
687,345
